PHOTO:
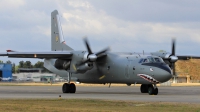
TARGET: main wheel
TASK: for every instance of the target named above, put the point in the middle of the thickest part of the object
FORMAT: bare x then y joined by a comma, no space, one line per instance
155,91
66,88
151,90
72,88
144,88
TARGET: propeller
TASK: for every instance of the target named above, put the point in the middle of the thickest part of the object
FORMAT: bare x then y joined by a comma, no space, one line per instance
173,57
92,57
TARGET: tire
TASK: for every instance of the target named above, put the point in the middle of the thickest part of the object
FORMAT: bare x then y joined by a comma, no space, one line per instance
72,88
149,85
66,88
151,90
144,88
155,91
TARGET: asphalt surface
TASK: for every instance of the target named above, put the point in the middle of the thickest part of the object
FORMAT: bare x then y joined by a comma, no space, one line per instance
129,93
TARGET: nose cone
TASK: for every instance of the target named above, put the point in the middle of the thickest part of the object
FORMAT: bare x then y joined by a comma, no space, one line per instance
164,73
92,57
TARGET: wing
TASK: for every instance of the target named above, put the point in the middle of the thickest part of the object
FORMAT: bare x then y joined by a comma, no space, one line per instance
41,55
187,57
166,56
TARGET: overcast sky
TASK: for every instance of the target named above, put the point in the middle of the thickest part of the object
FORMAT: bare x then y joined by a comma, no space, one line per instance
124,25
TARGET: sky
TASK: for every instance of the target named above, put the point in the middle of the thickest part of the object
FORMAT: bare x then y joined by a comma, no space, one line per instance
123,25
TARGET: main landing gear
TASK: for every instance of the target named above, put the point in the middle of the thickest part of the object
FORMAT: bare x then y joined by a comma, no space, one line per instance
69,87
149,88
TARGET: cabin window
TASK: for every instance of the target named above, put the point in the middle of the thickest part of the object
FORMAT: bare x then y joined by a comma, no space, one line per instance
108,68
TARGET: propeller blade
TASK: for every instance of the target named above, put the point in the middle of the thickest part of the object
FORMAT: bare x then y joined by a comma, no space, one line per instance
103,51
173,54
87,45
173,47
174,70
92,57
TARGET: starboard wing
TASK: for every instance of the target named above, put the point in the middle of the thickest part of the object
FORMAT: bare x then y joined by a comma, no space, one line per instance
187,57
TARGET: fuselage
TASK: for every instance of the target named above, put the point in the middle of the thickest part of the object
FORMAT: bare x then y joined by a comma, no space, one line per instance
122,68
119,68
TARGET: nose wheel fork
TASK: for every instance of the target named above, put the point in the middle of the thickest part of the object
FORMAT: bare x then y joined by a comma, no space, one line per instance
149,88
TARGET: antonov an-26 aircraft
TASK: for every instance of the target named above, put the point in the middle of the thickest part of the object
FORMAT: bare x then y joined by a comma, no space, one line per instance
103,66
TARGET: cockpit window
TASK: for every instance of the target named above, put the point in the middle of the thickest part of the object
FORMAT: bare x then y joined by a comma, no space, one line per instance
151,60
158,60
145,61
141,60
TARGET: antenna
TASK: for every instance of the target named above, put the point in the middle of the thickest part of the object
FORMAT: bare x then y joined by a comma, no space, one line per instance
143,52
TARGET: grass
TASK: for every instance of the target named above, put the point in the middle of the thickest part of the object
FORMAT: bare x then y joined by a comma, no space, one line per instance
88,105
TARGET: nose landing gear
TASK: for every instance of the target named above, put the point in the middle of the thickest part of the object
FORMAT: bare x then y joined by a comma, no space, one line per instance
149,88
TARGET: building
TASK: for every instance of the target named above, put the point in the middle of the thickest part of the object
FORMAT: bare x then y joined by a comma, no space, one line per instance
30,70
5,72
33,74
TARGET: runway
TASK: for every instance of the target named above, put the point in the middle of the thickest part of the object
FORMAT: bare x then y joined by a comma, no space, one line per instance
129,93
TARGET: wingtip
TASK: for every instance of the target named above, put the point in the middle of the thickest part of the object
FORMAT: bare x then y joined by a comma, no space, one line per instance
10,50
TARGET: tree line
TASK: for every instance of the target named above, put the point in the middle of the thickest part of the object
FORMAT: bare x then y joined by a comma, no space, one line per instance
26,64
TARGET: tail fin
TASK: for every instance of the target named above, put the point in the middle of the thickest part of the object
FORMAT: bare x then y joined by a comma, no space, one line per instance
57,39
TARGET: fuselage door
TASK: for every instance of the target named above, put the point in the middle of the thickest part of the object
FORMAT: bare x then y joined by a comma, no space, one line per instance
127,69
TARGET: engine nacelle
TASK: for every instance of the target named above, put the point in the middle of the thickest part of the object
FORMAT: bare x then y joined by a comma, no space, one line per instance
62,64
166,56
173,59
80,62
85,67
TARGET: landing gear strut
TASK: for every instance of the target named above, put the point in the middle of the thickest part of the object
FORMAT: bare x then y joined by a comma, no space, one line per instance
149,88
69,87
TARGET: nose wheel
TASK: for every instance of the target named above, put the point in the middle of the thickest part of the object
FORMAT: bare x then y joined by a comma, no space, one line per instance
152,90
149,88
